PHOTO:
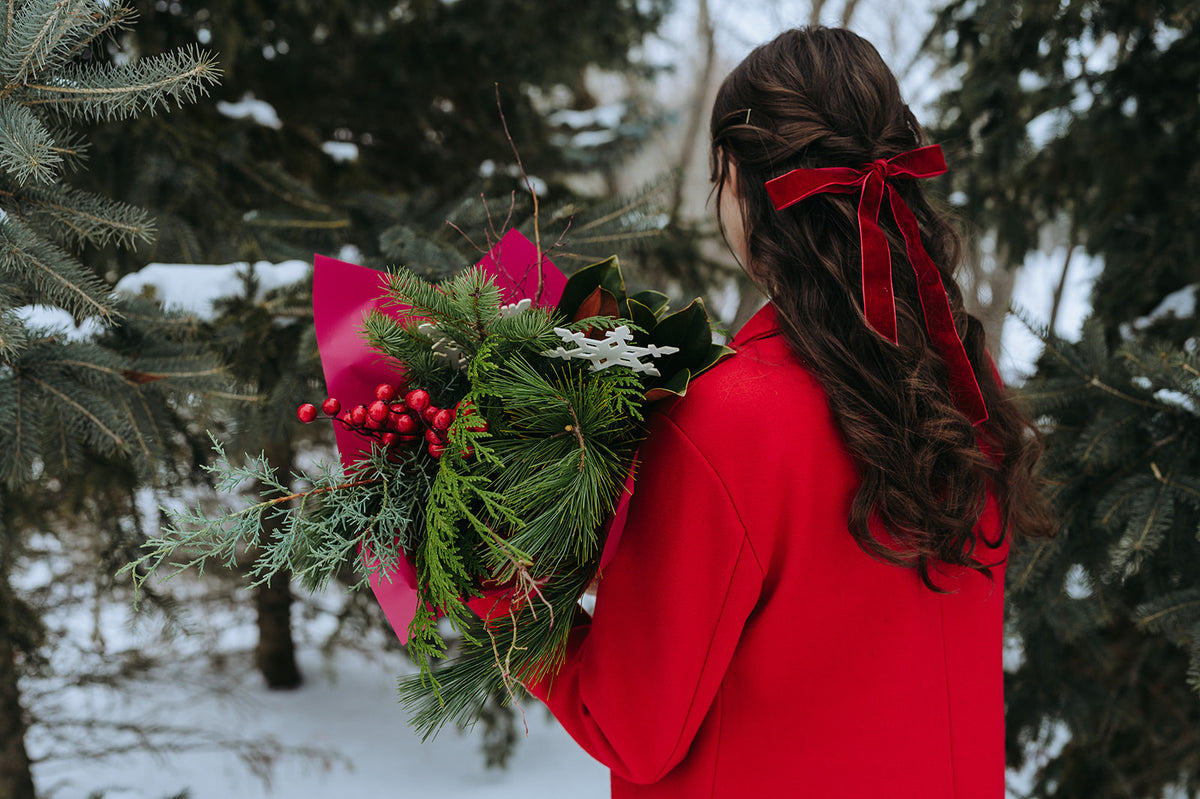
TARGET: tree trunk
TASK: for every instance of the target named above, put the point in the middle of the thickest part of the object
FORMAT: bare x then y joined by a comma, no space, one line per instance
1062,282
16,781
275,655
814,16
848,12
697,110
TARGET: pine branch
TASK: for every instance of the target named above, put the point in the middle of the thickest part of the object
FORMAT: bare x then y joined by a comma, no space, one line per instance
13,335
51,276
43,31
105,92
82,217
496,656
26,147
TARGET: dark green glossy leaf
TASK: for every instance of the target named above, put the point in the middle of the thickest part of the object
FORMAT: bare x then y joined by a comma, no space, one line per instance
656,301
605,274
642,316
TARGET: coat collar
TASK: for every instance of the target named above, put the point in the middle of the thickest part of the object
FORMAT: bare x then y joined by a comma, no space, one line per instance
762,325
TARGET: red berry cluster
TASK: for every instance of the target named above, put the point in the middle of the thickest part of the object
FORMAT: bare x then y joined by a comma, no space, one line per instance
392,420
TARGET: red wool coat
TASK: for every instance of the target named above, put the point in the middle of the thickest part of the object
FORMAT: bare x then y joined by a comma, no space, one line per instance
744,646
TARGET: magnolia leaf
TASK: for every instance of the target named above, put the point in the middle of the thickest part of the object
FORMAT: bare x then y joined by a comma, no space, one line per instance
600,302
688,330
716,354
605,274
641,315
656,301
674,386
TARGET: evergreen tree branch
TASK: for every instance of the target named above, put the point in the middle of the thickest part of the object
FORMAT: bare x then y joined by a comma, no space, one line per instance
39,29
72,148
139,377
26,146
143,443
55,277
85,217
13,335
118,442
1151,615
102,93
109,17
20,430
299,224
1093,379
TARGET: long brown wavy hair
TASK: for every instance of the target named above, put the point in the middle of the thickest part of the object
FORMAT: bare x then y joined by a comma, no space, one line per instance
820,97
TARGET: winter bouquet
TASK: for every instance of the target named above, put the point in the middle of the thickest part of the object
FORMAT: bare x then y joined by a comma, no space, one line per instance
488,428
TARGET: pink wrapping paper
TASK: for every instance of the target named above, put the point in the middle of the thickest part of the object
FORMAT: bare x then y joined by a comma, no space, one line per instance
343,293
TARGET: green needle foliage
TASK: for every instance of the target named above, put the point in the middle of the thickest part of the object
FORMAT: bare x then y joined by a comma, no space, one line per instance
1108,611
527,504
86,416
44,90
1081,117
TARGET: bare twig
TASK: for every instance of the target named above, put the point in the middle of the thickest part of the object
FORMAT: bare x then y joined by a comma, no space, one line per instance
465,236
505,666
814,17
306,494
537,232
527,587
578,436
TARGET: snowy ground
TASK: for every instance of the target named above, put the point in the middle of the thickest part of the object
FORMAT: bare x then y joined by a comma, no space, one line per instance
346,708
341,734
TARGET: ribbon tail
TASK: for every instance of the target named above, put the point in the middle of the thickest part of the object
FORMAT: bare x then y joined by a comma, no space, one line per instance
879,306
939,319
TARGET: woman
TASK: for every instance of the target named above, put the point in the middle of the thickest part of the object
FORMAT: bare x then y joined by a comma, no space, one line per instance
807,598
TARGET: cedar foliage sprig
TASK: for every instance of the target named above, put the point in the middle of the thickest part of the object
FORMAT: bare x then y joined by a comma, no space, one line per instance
346,521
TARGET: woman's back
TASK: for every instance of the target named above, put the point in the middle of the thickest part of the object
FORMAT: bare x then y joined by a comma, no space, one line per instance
744,644
808,597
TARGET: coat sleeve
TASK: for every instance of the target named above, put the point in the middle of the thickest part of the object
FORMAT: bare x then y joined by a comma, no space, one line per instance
641,675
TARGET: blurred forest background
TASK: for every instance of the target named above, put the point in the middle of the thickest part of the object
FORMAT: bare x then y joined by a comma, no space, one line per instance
360,129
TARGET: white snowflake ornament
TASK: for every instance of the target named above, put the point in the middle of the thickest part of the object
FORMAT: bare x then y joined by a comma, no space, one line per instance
514,308
613,350
444,348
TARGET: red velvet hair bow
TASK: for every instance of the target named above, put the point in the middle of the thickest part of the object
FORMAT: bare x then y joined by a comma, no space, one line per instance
873,180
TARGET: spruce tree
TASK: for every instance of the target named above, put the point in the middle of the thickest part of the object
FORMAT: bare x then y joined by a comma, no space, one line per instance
107,400
414,94
411,92
1083,115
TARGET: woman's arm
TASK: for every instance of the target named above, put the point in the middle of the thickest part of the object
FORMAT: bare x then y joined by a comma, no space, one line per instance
640,677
